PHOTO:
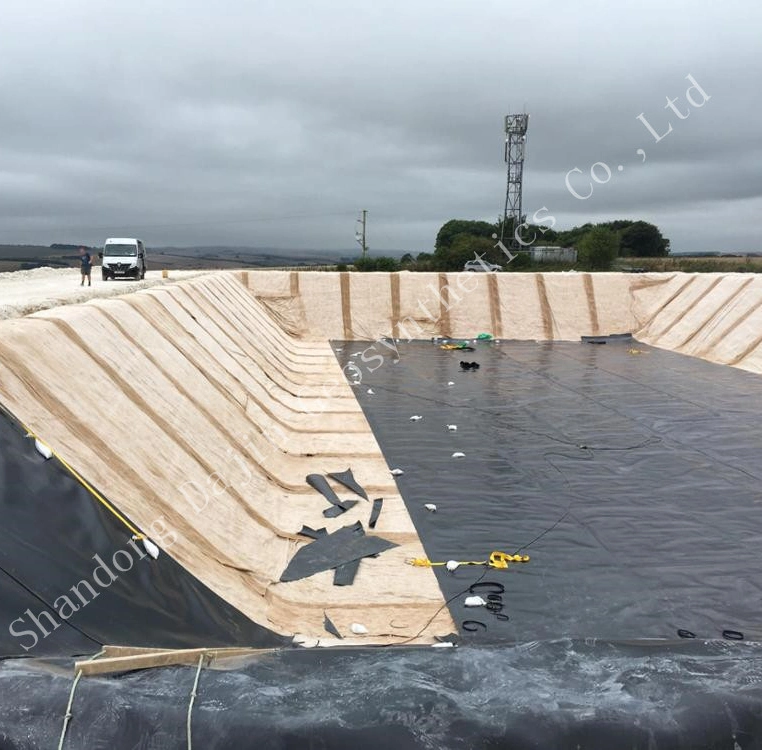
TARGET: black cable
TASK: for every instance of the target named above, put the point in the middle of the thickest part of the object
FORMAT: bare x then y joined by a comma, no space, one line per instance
588,455
547,531
436,614
48,606
16,425
575,495
589,450
472,626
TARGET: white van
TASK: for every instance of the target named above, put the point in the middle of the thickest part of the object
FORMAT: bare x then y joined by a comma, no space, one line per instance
123,256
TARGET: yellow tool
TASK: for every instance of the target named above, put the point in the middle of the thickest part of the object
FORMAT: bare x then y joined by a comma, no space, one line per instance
497,559
501,559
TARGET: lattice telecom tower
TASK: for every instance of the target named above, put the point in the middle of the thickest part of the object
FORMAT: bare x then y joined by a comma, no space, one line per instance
515,141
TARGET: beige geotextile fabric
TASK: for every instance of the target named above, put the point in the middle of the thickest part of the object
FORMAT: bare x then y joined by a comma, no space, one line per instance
199,418
200,407
366,306
717,317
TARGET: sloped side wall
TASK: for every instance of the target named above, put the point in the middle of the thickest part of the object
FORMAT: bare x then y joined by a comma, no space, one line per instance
72,579
365,306
717,317
199,419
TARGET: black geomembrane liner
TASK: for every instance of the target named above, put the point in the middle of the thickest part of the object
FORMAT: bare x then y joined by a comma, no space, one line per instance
631,480
633,476
52,530
550,696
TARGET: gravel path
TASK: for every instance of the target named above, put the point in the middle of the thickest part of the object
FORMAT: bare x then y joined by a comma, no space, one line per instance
24,292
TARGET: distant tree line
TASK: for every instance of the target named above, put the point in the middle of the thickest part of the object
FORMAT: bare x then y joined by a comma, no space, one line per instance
597,245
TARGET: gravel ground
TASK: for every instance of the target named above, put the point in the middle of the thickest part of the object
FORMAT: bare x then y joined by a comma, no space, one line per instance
24,292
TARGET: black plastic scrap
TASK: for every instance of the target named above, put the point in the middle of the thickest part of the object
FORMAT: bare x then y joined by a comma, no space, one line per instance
312,533
345,574
606,339
347,479
342,507
320,483
330,627
338,506
330,551
375,512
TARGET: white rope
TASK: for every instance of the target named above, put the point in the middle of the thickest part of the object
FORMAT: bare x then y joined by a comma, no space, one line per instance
68,714
192,700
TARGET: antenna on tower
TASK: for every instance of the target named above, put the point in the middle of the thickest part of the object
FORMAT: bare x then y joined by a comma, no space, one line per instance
515,143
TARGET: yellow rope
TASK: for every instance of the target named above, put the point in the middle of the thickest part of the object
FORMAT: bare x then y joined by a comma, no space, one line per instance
497,559
106,504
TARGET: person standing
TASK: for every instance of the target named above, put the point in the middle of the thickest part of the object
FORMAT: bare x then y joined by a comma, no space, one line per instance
86,265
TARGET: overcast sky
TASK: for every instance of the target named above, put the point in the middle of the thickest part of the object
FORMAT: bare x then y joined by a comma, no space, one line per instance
272,123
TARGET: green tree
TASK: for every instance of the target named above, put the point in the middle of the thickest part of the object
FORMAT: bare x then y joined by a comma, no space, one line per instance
598,248
380,263
643,240
425,262
535,234
383,263
571,237
463,248
521,262
618,225
451,229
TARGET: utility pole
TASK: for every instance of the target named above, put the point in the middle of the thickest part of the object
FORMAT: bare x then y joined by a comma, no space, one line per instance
360,232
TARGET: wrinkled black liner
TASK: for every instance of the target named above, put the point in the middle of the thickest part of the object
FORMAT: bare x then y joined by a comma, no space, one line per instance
640,473
52,528
596,696
677,511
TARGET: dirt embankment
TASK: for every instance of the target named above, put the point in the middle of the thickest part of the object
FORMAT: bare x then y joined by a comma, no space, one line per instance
24,292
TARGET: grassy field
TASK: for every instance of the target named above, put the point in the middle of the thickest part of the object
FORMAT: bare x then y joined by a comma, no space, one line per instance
725,264
27,257
24,257
751,264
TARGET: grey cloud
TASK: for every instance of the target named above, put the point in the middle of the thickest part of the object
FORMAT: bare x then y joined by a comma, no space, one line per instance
188,121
